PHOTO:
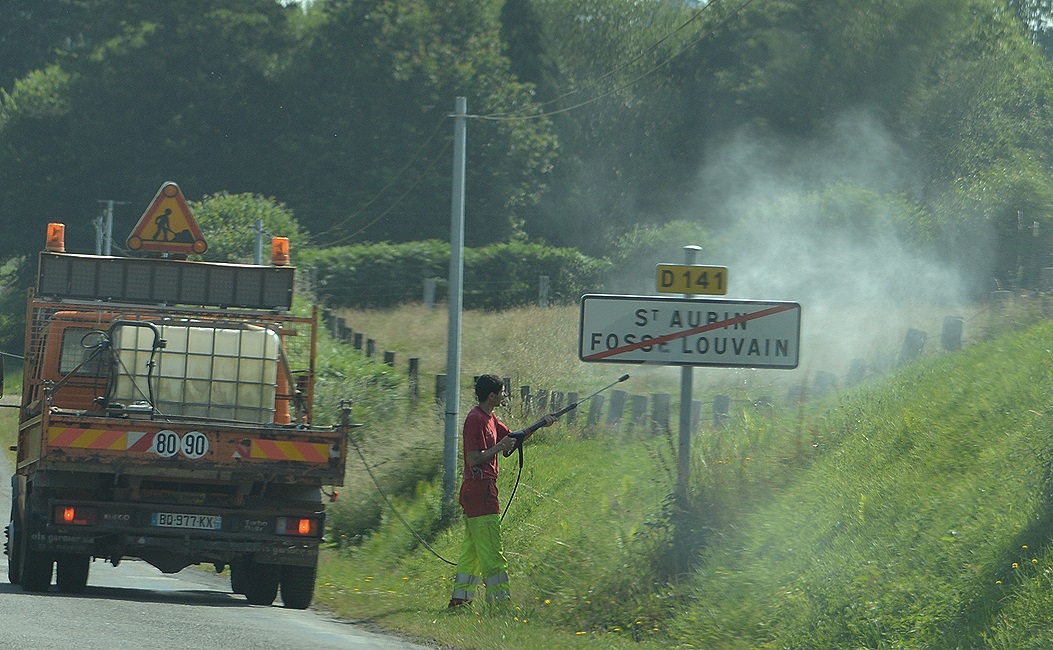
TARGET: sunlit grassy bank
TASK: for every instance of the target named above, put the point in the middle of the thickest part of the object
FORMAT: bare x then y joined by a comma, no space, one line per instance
911,511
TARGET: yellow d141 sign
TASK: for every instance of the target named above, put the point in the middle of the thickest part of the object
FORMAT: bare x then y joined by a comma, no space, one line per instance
692,278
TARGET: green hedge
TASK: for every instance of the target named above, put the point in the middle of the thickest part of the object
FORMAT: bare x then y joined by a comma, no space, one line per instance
495,277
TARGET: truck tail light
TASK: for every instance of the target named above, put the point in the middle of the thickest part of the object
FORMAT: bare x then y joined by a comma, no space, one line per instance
299,526
75,515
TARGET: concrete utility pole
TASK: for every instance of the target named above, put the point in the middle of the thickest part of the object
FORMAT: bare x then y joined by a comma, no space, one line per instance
453,337
105,227
258,227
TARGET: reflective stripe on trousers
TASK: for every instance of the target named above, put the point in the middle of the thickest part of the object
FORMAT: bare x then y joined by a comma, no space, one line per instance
482,554
497,587
464,586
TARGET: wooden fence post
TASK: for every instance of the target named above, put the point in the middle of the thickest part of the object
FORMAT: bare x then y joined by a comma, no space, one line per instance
572,414
912,345
638,406
542,400
617,409
825,382
595,411
721,410
542,291
440,391
951,337
857,371
429,292
660,404
555,400
414,379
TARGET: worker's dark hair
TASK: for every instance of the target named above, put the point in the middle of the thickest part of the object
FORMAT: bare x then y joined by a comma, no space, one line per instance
487,384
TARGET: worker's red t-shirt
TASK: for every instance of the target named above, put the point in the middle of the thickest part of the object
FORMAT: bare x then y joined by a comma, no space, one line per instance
479,487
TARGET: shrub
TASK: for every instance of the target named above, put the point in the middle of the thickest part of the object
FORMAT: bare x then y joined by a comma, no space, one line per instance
498,276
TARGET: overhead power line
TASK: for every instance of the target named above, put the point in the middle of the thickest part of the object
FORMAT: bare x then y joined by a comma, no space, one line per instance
512,116
329,235
332,230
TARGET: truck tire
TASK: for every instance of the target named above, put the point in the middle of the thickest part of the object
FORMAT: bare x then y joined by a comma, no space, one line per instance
238,572
36,569
71,572
261,582
298,586
11,542
11,545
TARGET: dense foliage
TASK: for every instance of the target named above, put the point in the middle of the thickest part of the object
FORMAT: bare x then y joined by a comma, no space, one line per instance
498,276
587,119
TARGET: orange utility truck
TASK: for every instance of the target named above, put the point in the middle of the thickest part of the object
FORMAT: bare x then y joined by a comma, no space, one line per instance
166,416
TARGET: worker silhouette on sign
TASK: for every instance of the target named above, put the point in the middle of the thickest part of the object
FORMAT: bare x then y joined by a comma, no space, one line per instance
164,230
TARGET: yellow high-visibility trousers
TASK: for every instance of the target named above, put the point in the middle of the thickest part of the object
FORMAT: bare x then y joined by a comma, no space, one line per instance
482,554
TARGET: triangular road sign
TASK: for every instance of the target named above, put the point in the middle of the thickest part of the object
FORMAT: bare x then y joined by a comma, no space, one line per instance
167,226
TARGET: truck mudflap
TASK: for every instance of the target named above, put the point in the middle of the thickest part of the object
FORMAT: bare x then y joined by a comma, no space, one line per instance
307,455
172,536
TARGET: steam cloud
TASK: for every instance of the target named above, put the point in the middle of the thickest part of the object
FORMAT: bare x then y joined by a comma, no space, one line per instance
814,223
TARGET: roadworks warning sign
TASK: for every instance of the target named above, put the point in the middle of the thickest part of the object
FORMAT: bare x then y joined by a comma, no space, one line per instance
167,226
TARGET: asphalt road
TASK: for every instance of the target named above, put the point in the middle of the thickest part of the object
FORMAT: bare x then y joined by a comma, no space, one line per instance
136,606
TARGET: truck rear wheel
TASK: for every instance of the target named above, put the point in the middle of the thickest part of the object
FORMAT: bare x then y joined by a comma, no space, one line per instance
261,582
238,571
71,572
36,569
14,567
298,585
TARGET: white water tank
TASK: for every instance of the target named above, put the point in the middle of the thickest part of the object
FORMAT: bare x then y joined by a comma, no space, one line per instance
215,372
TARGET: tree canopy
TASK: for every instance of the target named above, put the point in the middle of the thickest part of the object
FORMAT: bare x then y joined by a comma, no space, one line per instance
588,119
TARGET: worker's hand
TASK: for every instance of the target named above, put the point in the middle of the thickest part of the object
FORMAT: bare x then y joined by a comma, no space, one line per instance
548,420
507,443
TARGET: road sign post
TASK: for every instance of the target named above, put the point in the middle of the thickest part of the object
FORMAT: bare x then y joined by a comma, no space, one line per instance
694,279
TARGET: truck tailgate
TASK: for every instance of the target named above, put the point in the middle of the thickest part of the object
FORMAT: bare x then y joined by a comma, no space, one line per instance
182,448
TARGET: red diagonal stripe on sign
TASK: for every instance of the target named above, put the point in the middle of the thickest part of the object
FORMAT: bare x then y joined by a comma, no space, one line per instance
144,443
603,354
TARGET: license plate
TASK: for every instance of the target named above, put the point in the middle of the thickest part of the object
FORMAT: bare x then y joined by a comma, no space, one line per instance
177,520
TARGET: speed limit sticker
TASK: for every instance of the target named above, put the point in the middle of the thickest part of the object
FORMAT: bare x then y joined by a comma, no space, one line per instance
168,443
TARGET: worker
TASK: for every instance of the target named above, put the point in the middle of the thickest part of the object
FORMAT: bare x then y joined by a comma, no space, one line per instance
484,438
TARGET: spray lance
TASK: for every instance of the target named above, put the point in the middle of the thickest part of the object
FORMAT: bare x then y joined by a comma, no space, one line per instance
520,436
